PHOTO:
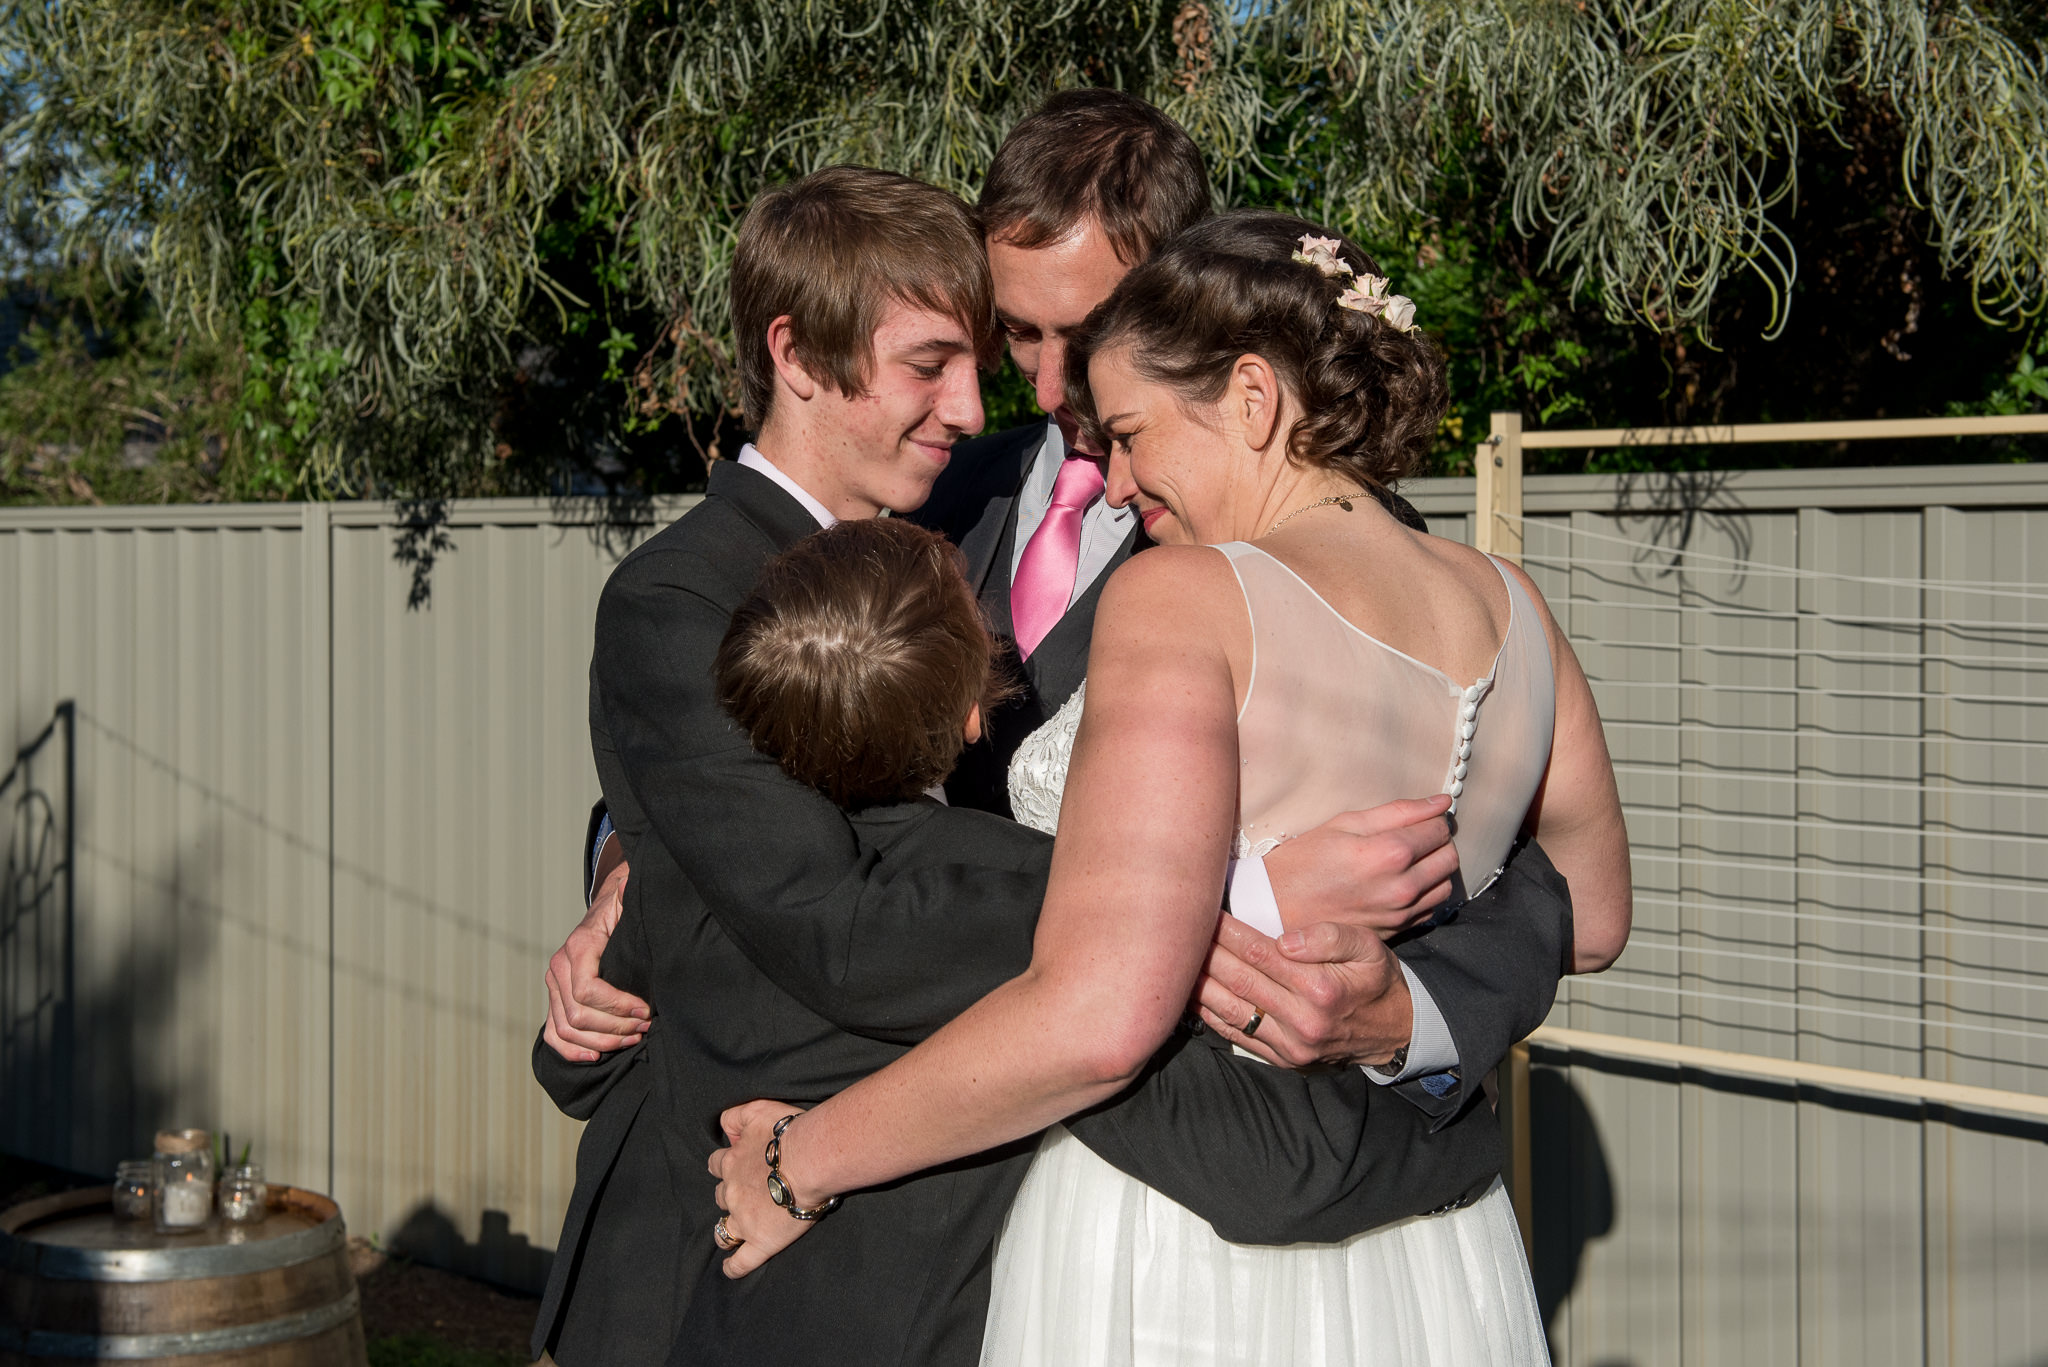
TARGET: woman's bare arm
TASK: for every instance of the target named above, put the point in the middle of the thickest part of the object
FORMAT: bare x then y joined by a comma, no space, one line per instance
1577,813
1137,877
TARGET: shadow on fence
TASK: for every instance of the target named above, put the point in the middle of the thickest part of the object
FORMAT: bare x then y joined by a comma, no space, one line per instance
38,952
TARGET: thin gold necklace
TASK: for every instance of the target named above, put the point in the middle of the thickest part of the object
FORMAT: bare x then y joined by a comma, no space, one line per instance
1341,500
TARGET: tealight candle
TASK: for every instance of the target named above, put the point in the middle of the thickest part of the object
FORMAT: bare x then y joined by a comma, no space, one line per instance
244,1199
184,1180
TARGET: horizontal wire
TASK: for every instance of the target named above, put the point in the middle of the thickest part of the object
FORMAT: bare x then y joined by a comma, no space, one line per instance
1812,691
1988,586
1967,884
1795,615
1757,569
1803,732
1864,922
1861,784
1891,1017
1795,962
1905,660
1792,823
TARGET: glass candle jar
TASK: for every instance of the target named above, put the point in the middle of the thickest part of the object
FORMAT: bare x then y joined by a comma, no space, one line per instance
244,1199
184,1180
134,1189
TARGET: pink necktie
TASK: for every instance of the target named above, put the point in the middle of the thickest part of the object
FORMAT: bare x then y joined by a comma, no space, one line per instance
1045,576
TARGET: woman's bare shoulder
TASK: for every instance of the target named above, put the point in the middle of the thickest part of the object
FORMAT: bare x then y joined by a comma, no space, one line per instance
1180,574
1173,591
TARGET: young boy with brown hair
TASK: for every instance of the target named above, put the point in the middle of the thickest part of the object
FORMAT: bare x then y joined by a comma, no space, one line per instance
861,664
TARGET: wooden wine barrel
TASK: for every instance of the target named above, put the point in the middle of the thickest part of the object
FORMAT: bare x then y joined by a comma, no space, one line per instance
77,1285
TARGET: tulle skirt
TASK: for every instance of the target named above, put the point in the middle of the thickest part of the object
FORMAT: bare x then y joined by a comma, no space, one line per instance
1095,1269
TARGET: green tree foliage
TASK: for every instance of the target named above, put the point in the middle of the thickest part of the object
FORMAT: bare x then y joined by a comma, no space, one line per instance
465,246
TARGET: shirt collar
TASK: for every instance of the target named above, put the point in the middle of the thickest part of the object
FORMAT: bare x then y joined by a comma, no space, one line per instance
751,457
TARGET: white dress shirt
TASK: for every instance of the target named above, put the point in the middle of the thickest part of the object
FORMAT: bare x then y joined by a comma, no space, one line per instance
1103,528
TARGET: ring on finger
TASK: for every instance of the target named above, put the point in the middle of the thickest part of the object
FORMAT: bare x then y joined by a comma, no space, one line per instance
724,1237
1251,1027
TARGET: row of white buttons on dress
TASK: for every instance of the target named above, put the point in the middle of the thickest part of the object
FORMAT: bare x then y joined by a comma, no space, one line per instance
1468,726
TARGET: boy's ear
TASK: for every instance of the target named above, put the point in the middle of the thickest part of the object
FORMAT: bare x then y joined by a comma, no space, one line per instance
973,727
788,367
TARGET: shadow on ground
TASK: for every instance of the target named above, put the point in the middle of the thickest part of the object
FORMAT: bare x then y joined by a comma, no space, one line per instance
420,1316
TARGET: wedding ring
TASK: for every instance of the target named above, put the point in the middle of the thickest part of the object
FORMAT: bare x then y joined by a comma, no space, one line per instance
724,1237
1251,1027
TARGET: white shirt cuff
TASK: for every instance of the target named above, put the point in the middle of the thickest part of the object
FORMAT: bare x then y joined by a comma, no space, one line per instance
1430,1047
1248,892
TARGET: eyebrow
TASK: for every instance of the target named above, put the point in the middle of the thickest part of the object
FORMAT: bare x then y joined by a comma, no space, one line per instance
1114,418
946,344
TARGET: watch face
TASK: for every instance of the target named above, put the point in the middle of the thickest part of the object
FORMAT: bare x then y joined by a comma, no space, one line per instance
778,1191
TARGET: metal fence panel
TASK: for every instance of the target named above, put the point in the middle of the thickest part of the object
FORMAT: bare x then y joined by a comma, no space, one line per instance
324,844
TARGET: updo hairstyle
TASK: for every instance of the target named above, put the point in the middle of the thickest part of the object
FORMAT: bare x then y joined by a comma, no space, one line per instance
1371,396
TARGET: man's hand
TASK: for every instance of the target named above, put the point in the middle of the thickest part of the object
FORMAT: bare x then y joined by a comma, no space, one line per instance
1385,869
1330,994
762,1228
587,1016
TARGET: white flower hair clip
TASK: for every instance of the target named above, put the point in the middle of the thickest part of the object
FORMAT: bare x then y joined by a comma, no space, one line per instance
1367,293
1321,252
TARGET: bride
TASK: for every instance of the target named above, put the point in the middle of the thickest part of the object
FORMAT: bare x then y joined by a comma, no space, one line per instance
1287,652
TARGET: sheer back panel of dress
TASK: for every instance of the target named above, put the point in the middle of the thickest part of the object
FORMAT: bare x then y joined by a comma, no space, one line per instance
1336,720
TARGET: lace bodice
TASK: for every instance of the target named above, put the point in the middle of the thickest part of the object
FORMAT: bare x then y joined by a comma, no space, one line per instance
1038,771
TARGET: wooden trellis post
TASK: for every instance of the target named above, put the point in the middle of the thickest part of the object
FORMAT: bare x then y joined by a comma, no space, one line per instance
1497,529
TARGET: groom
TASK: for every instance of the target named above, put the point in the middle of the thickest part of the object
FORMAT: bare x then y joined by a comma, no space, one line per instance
738,882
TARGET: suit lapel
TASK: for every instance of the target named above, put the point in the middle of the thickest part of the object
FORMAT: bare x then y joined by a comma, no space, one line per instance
996,531
992,589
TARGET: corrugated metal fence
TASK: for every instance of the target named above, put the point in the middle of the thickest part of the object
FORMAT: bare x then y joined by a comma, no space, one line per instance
1825,696
324,843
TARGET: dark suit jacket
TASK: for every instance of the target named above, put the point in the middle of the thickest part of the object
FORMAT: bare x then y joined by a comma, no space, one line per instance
787,953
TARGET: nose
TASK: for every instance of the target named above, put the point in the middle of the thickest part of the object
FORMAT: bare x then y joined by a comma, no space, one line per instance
1051,380
1119,490
959,405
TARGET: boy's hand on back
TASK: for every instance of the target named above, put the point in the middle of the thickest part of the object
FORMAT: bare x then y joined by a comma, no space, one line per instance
587,1016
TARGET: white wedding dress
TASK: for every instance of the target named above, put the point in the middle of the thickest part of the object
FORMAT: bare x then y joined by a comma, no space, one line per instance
1095,1269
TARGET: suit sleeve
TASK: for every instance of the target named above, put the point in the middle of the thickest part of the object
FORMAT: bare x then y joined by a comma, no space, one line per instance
1493,972
778,865
1272,1156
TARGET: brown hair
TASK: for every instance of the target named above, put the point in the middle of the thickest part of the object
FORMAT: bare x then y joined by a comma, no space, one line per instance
854,662
832,251
1097,154
1371,395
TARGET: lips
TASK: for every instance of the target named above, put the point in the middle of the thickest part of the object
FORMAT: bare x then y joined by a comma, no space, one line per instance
939,456
1151,516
